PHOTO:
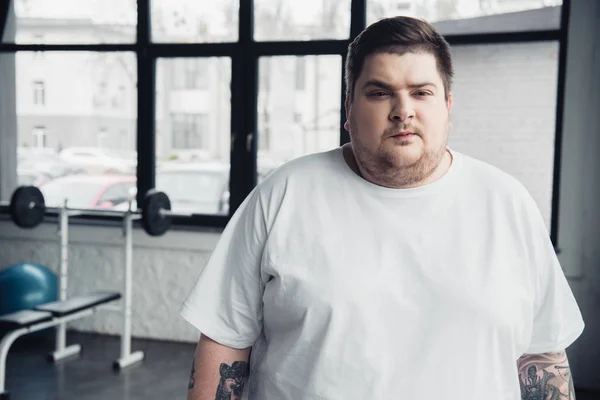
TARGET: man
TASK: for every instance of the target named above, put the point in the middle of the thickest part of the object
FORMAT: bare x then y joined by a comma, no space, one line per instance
390,268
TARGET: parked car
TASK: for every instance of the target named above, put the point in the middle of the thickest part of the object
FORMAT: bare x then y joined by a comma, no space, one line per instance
31,177
45,161
89,191
201,187
198,187
96,160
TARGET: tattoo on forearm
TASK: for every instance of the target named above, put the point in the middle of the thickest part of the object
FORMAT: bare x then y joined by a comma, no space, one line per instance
192,378
232,381
545,377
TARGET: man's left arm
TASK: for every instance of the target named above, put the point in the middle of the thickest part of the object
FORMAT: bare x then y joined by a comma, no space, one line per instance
548,373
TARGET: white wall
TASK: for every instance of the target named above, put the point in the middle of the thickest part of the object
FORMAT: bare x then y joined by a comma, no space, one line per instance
504,110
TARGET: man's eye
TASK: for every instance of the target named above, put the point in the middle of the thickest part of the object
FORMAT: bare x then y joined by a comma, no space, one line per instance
421,93
378,94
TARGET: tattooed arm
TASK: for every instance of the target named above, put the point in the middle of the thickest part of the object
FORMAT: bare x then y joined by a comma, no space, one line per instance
545,377
218,372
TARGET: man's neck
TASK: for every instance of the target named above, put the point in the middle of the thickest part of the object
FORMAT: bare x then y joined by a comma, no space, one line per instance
439,172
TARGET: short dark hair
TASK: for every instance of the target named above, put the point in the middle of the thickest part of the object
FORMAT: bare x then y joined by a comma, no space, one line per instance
398,35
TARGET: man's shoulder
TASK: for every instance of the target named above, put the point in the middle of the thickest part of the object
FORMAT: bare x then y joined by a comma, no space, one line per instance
294,181
489,177
493,184
303,169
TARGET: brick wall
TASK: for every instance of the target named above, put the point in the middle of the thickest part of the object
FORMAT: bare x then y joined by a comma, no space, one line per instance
505,108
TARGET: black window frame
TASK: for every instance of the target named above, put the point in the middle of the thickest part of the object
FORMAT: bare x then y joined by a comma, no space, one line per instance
244,55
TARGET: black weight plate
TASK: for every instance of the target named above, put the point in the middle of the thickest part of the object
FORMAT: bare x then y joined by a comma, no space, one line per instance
154,223
27,207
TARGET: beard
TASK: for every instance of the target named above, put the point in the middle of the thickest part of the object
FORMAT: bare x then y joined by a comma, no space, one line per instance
388,167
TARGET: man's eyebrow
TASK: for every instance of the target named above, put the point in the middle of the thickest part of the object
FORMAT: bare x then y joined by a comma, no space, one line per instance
378,83
387,86
421,85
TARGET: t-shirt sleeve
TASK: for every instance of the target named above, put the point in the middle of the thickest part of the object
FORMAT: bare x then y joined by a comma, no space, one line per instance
225,303
557,319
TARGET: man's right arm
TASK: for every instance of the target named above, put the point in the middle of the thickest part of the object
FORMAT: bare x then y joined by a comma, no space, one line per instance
218,372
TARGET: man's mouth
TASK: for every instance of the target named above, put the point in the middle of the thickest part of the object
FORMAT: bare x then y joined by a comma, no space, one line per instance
403,134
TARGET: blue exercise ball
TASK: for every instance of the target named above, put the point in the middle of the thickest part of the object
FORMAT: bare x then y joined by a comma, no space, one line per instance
25,286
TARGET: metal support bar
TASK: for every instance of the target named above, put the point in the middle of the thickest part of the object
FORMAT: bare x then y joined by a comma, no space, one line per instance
63,229
169,213
67,352
127,358
73,212
112,213
76,212
126,336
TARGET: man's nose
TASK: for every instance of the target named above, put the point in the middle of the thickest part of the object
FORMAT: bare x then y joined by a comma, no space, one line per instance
402,110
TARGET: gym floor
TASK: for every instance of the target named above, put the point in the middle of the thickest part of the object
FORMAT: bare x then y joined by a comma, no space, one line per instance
163,375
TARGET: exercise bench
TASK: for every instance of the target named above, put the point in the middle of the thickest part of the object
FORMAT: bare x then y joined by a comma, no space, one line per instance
65,310
46,316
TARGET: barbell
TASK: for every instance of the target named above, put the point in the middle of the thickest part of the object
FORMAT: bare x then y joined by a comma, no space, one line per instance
28,209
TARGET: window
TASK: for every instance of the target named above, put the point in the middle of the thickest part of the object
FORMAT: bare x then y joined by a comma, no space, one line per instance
119,98
178,21
219,80
39,135
39,93
100,95
298,122
189,131
190,73
452,17
81,138
102,136
301,20
193,111
264,142
300,73
81,22
193,124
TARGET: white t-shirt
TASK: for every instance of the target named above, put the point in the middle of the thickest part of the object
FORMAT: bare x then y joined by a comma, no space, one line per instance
349,290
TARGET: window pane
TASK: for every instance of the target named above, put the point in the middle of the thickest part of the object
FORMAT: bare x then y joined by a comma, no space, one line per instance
301,20
473,16
200,21
504,111
193,120
298,108
74,21
77,143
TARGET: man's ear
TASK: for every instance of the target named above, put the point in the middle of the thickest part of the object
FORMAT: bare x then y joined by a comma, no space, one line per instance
449,103
347,107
